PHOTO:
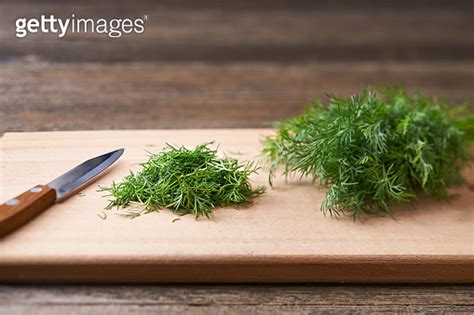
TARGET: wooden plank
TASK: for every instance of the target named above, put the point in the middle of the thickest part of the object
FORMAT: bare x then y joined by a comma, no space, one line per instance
44,96
268,31
226,299
281,237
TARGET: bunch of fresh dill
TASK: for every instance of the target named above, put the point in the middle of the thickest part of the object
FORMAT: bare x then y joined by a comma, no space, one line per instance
187,181
374,149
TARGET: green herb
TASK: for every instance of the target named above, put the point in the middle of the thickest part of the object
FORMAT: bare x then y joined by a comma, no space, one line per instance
374,149
102,215
185,181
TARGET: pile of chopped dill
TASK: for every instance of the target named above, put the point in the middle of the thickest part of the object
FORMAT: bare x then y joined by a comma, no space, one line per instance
186,181
375,149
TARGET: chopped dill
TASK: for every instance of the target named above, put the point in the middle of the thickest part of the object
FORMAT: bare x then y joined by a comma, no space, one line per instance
186,181
374,149
102,215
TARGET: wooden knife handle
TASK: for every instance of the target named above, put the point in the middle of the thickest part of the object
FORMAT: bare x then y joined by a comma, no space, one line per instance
17,211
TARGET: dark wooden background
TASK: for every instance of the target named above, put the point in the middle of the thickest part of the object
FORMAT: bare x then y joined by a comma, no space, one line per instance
206,64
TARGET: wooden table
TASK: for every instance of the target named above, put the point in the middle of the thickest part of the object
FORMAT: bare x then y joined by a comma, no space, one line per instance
235,64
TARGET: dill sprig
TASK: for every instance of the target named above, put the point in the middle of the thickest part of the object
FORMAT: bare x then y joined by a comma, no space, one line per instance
374,149
186,181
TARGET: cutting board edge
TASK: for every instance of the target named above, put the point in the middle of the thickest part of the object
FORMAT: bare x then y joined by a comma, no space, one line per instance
244,259
409,269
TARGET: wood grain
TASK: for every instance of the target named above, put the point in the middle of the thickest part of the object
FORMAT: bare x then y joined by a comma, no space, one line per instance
235,299
77,96
281,237
267,31
38,109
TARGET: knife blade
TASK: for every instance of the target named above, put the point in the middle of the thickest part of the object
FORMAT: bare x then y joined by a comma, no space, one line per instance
19,210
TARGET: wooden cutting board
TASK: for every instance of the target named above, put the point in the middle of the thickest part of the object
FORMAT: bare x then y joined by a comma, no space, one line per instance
282,237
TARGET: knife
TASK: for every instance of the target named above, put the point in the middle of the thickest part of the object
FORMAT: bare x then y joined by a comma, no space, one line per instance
17,211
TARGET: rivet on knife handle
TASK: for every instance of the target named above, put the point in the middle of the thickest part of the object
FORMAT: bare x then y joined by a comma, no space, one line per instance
19,210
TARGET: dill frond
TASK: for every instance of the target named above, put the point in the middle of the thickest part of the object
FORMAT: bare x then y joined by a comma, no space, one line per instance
374,149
